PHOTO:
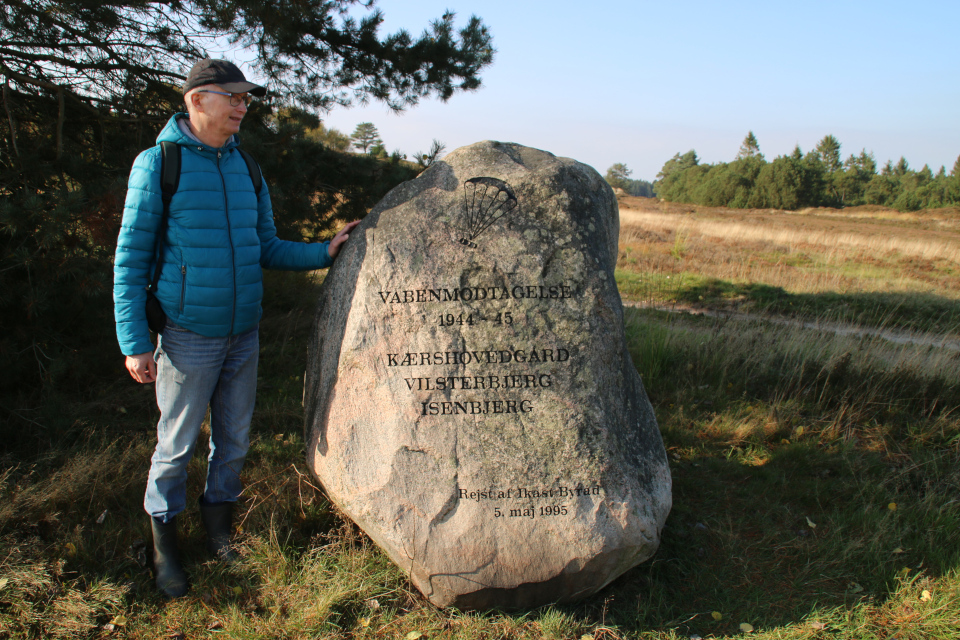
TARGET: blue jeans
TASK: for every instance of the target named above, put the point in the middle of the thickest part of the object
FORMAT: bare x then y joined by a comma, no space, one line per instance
194,371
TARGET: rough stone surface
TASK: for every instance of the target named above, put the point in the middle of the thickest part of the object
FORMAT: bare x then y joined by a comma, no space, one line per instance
470,401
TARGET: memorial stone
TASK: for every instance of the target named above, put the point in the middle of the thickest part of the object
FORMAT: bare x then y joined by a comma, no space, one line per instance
470,400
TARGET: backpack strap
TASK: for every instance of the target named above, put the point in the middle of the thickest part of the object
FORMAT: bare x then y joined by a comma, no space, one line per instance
169,171
254,170
169,183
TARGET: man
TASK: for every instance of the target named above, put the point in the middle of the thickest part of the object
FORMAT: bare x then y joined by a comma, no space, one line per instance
219,234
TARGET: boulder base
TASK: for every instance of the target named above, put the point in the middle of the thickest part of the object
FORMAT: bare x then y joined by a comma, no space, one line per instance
470,401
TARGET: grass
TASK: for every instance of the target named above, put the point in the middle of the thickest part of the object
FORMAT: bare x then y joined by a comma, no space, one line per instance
918,312
816,483
867,266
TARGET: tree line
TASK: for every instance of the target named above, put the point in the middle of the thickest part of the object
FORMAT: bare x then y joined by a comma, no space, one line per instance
818,178
86,86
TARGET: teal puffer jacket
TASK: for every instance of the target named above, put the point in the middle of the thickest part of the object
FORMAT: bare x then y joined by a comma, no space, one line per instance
219,235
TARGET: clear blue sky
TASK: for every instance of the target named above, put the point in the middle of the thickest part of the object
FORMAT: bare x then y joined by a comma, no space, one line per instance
636,82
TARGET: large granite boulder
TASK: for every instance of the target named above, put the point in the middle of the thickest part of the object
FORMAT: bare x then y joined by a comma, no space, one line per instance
470,401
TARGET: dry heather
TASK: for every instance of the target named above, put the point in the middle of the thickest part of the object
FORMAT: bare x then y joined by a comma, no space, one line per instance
815,250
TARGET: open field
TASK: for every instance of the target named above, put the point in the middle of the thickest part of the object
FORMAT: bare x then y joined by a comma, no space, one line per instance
816,475
863,265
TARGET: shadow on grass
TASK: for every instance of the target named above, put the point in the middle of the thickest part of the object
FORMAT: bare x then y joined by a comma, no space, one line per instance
902,310
915,311
777,538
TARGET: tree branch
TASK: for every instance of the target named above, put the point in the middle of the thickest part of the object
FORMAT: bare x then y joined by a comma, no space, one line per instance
61,117
46,85
13,123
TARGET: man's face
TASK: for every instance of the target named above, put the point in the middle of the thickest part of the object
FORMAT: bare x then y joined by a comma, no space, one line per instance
215,116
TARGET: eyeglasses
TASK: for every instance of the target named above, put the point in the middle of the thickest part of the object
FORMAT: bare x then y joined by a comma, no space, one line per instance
235,98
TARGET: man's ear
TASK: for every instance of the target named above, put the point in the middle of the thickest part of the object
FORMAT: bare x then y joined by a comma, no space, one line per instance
196,101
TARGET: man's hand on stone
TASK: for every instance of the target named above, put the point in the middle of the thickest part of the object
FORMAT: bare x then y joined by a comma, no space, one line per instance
142,367
342,236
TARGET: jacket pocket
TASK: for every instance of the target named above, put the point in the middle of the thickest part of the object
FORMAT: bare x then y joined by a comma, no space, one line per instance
183,285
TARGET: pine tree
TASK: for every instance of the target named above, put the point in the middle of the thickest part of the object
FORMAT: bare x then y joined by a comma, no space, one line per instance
828,150
618,176
749,148
365,136
311,52
953,183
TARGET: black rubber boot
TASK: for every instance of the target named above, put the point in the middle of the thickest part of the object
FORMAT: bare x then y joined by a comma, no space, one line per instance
217,520
171,580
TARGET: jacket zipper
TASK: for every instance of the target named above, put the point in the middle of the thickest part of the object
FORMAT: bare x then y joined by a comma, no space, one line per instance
233,258
183,285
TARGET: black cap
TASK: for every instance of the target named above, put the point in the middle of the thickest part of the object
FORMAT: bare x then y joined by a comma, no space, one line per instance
220,72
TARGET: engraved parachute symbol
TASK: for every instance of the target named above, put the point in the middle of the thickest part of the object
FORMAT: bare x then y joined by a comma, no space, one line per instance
485,200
